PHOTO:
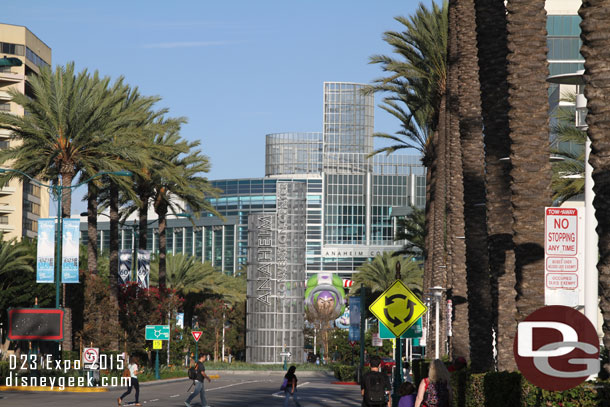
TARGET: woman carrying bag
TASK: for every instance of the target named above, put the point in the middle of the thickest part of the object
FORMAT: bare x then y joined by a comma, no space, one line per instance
290,386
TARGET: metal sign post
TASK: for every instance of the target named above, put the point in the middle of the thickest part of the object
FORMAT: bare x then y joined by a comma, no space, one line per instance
196,336
157,333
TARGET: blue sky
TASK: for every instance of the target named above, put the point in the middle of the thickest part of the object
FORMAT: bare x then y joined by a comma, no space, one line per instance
237,70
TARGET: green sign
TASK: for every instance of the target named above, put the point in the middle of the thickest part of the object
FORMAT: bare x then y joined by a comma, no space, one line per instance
157,332
414,332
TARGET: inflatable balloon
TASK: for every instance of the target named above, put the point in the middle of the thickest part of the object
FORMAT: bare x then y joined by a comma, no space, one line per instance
324,296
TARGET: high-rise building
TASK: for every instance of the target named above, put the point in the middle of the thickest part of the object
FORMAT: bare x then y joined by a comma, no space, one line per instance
349,195
21,203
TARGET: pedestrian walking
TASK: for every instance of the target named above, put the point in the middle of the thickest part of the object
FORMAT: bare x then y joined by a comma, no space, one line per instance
406,391
375,386
435,390
199,389
133,368
290,386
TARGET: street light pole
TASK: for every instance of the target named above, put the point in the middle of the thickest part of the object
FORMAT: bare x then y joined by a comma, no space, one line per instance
58,191
437,291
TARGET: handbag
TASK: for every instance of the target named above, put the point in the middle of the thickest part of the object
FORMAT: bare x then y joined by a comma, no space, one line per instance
284,384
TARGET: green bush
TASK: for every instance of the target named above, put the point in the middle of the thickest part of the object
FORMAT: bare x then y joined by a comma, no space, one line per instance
500,389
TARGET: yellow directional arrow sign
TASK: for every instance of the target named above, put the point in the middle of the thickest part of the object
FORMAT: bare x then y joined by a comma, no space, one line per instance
398,308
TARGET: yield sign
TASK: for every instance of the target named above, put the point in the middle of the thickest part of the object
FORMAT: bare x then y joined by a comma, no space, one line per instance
397,308
197,335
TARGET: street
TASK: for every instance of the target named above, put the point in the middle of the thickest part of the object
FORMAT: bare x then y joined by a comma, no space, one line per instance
240,389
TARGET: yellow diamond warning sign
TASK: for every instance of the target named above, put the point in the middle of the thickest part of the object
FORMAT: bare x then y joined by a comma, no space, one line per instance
398,308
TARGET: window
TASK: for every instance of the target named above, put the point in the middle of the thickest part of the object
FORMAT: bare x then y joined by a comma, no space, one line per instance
4,144
4,220
32,56
5,107
14,49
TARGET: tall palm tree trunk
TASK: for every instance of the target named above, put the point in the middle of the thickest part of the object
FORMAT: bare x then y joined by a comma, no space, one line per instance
66,202
456,285
493,50
143,221
92,229
114,251
429,223
162,214
471,135
530,149
596,50
439,271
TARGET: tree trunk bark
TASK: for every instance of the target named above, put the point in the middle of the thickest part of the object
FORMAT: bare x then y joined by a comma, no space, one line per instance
596,50
162,213
456,286
66,202
92,229
114,252
475,230
493,50
143,222
530,147
439,260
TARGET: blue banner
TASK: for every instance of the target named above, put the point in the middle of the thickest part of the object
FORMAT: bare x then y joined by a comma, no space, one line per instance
354,318
45,254
69,250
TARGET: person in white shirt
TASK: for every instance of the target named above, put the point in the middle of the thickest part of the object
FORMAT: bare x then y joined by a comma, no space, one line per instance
134,369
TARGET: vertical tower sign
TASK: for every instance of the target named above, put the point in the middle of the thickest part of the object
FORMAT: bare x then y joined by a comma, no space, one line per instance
276,277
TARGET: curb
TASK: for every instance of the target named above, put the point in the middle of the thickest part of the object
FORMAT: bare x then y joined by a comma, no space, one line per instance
345,383
55,389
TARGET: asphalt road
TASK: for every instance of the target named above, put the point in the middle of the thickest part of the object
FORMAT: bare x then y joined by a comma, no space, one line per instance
242,389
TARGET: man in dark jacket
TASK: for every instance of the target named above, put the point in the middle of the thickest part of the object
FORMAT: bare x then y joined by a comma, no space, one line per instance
375,386
200,370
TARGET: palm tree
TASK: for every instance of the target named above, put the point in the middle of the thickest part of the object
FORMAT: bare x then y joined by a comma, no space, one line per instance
456,247
595,49
416,84
493,50
178,186
187,275
122,148
380,273
473,215
411,228
530,149
59,135
15,257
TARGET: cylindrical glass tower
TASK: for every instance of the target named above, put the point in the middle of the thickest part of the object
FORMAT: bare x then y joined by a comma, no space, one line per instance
293,154
348,127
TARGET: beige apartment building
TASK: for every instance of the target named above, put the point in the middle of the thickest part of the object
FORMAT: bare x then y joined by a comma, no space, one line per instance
21,203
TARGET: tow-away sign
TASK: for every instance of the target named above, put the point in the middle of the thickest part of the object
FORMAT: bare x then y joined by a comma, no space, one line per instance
564,256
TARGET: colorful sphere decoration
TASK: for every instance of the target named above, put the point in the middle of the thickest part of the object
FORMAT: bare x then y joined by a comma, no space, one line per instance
325,296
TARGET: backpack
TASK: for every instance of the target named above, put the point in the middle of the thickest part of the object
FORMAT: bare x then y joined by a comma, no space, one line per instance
192,373
284,384
436,395
375,389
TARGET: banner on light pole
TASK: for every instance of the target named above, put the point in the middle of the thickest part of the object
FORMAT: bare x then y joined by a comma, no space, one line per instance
69,250
354,318
124,266
144,268
45,252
